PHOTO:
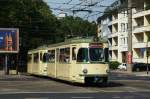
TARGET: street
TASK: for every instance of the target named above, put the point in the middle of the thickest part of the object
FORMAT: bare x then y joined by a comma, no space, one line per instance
98,95
31,87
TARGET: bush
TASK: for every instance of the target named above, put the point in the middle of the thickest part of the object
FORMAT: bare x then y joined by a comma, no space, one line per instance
114,64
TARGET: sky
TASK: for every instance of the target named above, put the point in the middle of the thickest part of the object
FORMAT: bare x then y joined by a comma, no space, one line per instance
68,6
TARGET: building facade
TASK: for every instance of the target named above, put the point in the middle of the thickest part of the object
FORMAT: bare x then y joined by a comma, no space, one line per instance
114,26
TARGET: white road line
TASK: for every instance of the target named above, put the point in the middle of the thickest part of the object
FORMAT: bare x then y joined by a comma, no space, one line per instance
116,97
2,93
38,98
82,97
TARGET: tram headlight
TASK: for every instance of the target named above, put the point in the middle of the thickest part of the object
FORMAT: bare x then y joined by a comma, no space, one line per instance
85,71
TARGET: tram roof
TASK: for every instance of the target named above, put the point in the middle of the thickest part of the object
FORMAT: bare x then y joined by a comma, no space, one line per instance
77,40
71,41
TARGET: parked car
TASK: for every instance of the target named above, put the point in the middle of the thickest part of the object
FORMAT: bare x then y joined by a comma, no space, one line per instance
122,66
140,67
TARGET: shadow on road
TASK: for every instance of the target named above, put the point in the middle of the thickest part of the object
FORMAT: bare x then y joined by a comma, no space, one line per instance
44,78
103,85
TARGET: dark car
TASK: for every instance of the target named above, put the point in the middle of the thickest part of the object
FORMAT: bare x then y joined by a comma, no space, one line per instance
140,67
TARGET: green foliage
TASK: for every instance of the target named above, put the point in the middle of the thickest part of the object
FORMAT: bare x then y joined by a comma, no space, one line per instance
75,26
33,18
147,7
38,25
114,64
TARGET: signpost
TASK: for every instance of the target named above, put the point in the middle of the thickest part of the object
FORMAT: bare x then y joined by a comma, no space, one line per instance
9,44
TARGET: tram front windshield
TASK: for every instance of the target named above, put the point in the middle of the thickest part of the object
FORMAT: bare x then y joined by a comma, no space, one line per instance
90,55
96,54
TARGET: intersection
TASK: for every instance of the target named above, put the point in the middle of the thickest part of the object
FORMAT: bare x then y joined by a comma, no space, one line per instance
33,87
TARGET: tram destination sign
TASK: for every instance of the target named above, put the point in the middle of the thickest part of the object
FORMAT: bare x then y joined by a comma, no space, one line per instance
9,40
96,45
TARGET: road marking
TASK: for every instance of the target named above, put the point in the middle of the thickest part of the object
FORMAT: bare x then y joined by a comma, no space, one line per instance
38,98
3,93
82,97
116,97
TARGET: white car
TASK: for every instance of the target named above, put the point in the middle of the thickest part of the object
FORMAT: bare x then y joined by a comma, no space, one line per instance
122,66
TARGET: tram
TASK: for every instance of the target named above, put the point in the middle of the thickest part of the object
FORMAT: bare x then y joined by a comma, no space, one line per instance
75,60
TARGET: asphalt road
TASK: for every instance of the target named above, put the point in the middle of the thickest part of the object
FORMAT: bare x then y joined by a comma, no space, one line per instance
120,86
112,95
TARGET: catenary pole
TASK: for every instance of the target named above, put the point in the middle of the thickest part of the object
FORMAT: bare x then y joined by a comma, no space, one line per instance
130,53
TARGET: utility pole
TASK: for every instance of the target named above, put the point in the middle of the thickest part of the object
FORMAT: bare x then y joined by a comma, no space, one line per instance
130,54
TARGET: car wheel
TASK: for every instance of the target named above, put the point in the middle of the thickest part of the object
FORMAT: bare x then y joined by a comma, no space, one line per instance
137,69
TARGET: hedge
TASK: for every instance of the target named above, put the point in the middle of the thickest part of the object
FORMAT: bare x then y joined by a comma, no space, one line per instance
114,64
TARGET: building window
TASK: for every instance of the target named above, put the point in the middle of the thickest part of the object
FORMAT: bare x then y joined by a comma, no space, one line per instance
123,27
142,50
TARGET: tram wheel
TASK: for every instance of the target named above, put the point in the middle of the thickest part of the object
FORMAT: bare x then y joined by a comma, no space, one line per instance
89,80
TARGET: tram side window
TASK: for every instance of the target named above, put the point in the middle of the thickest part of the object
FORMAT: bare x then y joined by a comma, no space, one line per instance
36,57
74,53
51,56
45,57
29,57
82,55
64,56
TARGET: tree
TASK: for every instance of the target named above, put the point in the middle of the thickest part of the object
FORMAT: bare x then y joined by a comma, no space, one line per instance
76,26
34,19
38,25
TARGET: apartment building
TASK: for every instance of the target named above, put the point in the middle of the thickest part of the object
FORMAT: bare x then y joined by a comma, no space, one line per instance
114,26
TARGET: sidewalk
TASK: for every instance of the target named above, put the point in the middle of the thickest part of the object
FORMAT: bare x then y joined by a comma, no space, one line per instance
143,73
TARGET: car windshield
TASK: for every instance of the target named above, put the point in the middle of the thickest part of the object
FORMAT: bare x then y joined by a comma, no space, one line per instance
96,54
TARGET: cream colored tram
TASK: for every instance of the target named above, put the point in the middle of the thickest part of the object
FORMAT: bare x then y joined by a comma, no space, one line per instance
75,60
37,64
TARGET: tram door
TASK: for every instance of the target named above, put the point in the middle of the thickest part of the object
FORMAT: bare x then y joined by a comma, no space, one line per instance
74,57
56,60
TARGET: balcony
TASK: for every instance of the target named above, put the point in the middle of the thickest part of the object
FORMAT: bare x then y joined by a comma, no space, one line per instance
147,12
147,9
147,28
115,21
115,47
123,48
138,13
140,60
113,35
109,36
113,59
110,48
141,45
138,29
